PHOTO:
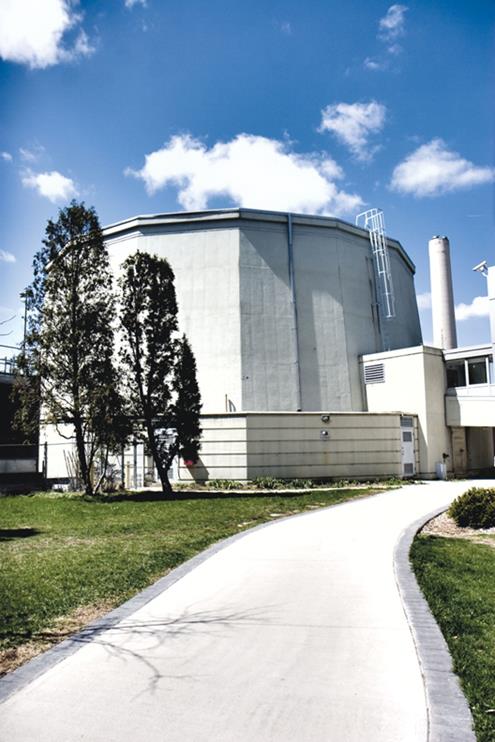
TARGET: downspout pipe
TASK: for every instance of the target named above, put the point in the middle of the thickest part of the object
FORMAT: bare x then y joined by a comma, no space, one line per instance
293,298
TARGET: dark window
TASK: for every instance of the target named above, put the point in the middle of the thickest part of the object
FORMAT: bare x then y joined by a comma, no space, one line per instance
456,374
477,371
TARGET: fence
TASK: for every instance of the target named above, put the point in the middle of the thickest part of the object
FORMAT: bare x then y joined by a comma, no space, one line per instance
7,366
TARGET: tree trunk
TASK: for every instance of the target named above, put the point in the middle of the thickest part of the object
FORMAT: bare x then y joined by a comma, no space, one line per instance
166,486
160,467
81,455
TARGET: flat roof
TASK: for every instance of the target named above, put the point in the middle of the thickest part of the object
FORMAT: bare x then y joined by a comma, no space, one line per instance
468,351
209,216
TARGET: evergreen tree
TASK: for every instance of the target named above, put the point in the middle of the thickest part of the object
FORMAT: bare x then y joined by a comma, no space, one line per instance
69,342
188,402
159,367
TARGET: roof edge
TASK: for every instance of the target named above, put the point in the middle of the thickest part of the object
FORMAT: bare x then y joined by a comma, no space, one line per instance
237,213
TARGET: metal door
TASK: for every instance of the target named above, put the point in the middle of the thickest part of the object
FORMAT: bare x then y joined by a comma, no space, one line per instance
407,446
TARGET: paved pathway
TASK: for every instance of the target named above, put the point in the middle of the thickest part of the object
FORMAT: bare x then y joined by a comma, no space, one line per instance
293,633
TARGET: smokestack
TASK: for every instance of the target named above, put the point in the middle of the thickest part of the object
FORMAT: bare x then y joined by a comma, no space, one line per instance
442,295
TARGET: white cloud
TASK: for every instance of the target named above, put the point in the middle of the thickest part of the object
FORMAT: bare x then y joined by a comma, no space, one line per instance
132,3
353,123
82,47
6,156
478,308
424,301
31,154
391,26
32,32
394,49
374,64
433,169
53,185
251,171
7,257
286,28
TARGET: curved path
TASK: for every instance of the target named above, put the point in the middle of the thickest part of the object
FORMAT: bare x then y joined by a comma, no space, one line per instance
294,632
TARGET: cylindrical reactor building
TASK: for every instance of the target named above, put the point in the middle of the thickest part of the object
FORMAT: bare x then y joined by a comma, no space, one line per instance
442,294
278,308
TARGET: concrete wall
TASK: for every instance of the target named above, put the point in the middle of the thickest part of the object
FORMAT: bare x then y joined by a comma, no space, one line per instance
404,330
205,263
268,340
56,448
298,445
235,304
243,446
471,406
459,449
415,382
479,447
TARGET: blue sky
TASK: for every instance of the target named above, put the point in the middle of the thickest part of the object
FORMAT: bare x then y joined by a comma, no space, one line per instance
324,107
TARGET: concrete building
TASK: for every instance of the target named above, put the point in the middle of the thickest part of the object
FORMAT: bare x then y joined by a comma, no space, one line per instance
300,373
18,460
277,307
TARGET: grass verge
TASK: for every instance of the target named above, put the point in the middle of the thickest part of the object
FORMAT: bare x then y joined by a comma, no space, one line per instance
458,580
65,560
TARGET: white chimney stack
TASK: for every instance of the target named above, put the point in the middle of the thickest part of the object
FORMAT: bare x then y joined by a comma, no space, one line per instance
442,295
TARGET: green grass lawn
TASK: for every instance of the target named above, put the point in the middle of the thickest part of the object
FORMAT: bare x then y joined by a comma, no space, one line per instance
60,553
458,580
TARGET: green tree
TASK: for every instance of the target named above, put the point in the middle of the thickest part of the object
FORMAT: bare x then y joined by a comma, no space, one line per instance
159,367
68,348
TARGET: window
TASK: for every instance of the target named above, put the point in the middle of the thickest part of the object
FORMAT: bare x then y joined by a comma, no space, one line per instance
456,374
477,371
469,371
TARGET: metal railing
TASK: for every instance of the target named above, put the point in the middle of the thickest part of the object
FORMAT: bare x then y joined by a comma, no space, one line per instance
8,366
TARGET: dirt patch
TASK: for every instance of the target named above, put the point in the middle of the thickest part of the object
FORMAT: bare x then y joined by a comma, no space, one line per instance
445,526
60,629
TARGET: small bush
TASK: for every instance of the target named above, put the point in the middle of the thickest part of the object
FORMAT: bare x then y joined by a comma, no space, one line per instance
268,483
224,484
475,508
345,483
300,484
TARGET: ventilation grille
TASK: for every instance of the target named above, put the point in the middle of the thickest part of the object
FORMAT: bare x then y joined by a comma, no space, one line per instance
374,373
407,422
408,468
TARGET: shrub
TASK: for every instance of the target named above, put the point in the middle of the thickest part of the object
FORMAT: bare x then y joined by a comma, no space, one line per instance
224,484
475,508
345,483
300,484
268,483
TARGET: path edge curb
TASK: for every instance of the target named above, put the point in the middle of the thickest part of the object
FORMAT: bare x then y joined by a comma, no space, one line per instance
449,715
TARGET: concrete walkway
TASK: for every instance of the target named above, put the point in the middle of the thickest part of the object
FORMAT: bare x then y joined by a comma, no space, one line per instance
293,633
